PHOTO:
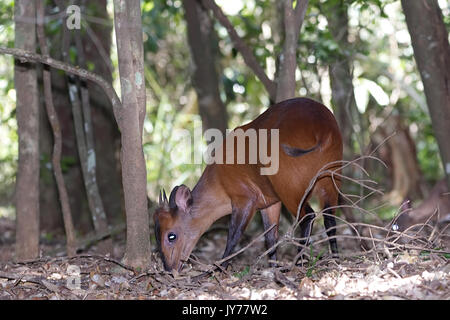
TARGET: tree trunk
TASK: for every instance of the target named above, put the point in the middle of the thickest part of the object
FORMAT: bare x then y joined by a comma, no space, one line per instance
293,20
57,136
29,56
399,153
341,77
435,208
27,181
81,112
201,37
49,200
97,44
96,39
429,39
127,21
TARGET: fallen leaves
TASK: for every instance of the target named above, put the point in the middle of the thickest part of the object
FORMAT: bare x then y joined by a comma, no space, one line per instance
347,280
401,274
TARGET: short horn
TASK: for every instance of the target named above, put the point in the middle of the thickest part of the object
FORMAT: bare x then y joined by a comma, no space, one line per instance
160,201
165,197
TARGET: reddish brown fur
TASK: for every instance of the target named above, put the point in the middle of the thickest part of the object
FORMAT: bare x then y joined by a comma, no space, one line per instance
241,190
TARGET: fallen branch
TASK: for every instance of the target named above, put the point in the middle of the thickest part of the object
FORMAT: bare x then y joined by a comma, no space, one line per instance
100,236
106,258
35,280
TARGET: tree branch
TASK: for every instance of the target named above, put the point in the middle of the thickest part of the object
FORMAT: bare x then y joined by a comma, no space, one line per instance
241,46
300,11
28,56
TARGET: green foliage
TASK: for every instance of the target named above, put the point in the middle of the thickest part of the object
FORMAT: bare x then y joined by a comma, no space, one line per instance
426,145
425,254
67,162
312,263
6,23
48,236
160,19
242,273
8,123
90,66
386,212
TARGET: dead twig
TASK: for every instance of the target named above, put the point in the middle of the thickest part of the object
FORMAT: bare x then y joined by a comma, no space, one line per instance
106,258
35,280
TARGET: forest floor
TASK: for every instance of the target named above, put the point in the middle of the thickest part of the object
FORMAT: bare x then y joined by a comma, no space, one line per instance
417,269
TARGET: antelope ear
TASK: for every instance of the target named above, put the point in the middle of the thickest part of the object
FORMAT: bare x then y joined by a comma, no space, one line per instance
181,198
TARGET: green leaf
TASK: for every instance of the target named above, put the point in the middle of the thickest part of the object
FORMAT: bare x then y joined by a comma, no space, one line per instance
148,6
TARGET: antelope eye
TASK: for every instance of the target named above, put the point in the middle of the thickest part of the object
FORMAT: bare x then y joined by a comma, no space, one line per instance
172,237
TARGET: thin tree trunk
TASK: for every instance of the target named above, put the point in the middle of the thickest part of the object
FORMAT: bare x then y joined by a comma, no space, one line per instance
105,85
242,47
53,119
51,215
85,137
135,32
88,165
343,100
27,181
95,42
30,56
341,79
105,129
200,32
406,174
293,20
127,20
429,39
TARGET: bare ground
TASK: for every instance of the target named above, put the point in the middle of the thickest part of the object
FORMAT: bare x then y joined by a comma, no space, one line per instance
386,269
